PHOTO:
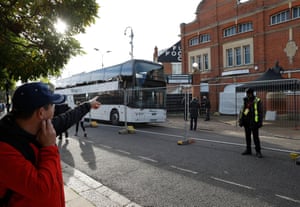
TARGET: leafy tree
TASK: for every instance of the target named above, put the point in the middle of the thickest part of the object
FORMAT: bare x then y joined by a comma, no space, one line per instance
30,46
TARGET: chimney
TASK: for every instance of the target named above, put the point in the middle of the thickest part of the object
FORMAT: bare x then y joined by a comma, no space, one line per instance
155,54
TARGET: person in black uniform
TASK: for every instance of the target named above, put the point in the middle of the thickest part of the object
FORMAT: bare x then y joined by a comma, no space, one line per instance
207,108
194,111
251,118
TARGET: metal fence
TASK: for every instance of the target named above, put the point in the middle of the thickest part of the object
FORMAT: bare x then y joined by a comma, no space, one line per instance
281,99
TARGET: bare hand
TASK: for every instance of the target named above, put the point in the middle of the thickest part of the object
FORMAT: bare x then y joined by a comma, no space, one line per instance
47,134
94,103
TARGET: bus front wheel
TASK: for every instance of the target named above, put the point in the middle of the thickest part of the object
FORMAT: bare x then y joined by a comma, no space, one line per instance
114,117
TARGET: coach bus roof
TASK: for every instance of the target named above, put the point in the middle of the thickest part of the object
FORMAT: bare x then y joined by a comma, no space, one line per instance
100,75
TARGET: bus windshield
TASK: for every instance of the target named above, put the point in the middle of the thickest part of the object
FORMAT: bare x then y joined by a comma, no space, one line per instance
149,75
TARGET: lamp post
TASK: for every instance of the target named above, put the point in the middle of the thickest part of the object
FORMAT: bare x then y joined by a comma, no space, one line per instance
102,55
131,40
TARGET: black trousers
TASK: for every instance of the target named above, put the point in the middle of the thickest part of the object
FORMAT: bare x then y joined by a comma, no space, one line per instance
255,133
66,135
207,114
193,123
82,126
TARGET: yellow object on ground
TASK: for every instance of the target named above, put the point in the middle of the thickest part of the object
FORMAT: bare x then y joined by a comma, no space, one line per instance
294,155
94,124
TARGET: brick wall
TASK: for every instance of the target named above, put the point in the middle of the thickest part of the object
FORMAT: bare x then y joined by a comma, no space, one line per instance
269,41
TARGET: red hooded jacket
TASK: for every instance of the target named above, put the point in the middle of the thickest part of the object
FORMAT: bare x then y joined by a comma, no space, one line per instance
39,184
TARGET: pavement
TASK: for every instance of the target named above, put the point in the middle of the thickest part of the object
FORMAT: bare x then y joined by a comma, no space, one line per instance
82,190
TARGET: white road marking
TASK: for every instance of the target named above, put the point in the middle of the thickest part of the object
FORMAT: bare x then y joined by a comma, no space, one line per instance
159,133
288,198
148,159
233,183
124,152
106,146
185,170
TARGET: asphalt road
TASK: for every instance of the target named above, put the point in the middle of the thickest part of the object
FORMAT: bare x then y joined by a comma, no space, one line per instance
149,168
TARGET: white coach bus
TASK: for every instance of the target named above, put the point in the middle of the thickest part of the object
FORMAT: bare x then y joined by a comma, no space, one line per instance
142,82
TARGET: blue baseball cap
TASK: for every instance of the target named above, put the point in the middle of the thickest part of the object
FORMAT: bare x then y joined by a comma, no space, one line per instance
31,96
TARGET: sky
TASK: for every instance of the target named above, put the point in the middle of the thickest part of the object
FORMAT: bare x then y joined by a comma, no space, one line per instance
154,23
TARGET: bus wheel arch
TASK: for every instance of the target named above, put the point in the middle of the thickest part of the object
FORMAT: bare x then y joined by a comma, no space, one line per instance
114,117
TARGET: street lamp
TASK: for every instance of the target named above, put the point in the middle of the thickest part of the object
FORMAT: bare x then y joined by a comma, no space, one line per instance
102,55
131,40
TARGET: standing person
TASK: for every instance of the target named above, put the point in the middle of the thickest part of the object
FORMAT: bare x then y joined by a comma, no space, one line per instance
30,173
207,108
81,123
251,118
59,109
194,111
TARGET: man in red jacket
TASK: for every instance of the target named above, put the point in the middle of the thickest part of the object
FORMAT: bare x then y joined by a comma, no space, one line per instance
32,176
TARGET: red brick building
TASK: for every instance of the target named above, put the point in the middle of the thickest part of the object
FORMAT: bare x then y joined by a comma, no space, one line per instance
237,41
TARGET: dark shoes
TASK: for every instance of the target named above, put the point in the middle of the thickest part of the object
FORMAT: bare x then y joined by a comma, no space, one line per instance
259,155
247,152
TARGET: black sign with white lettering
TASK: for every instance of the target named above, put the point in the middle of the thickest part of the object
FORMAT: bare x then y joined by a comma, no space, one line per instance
173,54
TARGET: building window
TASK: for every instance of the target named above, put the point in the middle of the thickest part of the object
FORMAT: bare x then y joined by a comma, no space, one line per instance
229,31
238,56
204,38
296,12
245,27
238,53
194,41
205,61
192,60
176,68
202,57
247,54
280,17
229,57
199,61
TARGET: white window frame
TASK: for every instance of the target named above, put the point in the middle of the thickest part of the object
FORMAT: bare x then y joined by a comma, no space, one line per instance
194,41
202,57
245,46
296,12
280,17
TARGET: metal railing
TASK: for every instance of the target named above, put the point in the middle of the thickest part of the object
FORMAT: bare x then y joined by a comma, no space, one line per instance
280,98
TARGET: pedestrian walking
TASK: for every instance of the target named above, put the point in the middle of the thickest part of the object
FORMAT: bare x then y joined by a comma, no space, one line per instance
30,173
81,123
194,111
251,118
60,109
206,108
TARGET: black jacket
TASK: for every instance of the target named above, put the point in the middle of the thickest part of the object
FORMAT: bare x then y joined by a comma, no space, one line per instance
194,108
250,119
61,108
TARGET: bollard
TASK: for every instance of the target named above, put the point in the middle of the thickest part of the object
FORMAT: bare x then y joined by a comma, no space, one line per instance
127,130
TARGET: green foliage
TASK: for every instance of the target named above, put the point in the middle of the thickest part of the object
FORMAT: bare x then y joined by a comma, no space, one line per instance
30,46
